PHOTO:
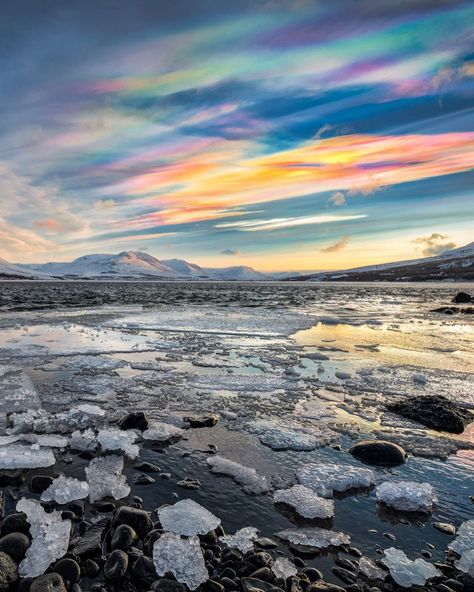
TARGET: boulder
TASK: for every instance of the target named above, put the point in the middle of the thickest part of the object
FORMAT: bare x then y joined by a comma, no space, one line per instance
8,572
15,544
139,520
134,421
68,569
379,452
462,298
51,582
116,566
202,421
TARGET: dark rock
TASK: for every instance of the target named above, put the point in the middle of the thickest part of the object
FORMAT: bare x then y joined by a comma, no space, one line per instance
263,573
348,577
212,586
38,483
150,540
144,570
266,543
68,569
14,478
228,583
322,586
134,421
89,544
312,574
104,507
228,572
355,551
67,515
8,572
434,411
77,506
454,584
92,568
116,566
147,467
76,588
349,564
124,536
15,544
462,298
202,421
379,452
251,584
14,523
165,585
443,527
142,479
188,483
50,582
260,559
165,475
139,520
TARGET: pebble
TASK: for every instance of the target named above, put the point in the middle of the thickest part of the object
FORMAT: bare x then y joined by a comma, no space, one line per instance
124,536
51,582
15,544
8,572
147,467
139,520
445,528
116,566
68,569
142,479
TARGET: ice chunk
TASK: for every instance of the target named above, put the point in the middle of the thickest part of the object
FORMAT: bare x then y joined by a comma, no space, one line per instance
50,538
327,478
465,538
85,440
305,501
38,421
48,440
115,439
250,480
370,569
243,539
65,489
407,496
182,557
284,568
161,432
408,573
319,538
20,456
188,518
285,438
104,475
466,563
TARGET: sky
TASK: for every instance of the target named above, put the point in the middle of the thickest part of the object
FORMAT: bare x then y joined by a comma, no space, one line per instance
280,134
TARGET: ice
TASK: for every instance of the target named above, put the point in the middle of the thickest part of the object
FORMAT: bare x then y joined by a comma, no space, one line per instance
50,538
407,496
85,440
305,501
327,478
65,489
20,456
466,563
243,539
319,538
250,480
407,573
182,557
161,432
104,475
115,439
279,437
188,518
284,568
39,421
370,569
465,538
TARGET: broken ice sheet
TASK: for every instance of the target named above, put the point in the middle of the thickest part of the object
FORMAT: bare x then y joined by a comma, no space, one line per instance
408,573
305,502
284,568
188,518
19,456
50,538
407,496
327,478
250,480
182,557
85,440
283,438
65,489
104,475
319,538
243,539
370,569
466,563
162,432
465,538
115,439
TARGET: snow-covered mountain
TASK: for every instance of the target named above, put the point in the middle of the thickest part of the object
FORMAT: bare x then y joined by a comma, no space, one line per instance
10,271
238,272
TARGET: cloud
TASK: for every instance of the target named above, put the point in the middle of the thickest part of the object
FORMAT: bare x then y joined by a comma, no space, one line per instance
322,130
434,244
230,252
338,246
19,243
338,199
278,223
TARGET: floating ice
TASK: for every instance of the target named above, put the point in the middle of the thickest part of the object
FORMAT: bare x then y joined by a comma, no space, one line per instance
305,501
284,568
85,440
65,489
243,539
115,439
182,557
162,432
281,438
20,456
466,563
318,538
188,518
250,480
50,538
407,496
104,475
371,570
38,421
48,440
408,573
327,478
465,538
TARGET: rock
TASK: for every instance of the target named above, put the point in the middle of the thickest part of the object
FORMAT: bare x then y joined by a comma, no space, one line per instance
434,411
462,298
139,520
68,569
252,584
92,568
144,570
116,566
15,522
188,483
146,467
260,559
344,575
11,477
8,572
322,586
212,586
15,544
142,479
443,527
263,573
39,483
50,582
89,544
124,536
165,585
312,574
379,452
202,421
149,541
266,543
134,421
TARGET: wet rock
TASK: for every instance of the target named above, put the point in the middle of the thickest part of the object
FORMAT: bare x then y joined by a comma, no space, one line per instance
434,411
312,574
14,478
251,584
89,544
263,573
124,536
15,544
8,572
266,543
260,559
462,298
150,539
228,583
212,586
144,570
38,483
346,576
322,586
68,569
92,568
139,520
165,585
116,566
15,522
379,452
142,479
445,528
51,582
202,421
146,467
134,421
189,483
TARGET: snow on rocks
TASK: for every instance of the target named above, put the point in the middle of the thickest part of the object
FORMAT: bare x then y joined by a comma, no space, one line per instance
248,478
115,439
466,563
182,557
465,538
305,501
284,568
407,496
65,489
20,456
188,518
104,475
318,538
243,539
407,573
327,478
281,438
50,538
162,432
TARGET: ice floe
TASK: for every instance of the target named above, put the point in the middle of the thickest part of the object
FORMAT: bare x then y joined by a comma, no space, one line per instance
104,475
408,573
115,439
243,539
305,501
371,570
188,518
21,456
466,563
83,440
319,538
465,538
280,437
284,568
162,432
248,478
182,557
327,478
407,496
65,489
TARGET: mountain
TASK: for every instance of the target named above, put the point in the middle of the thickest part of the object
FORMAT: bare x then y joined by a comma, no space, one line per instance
238,273
186,269
10,271
454,264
